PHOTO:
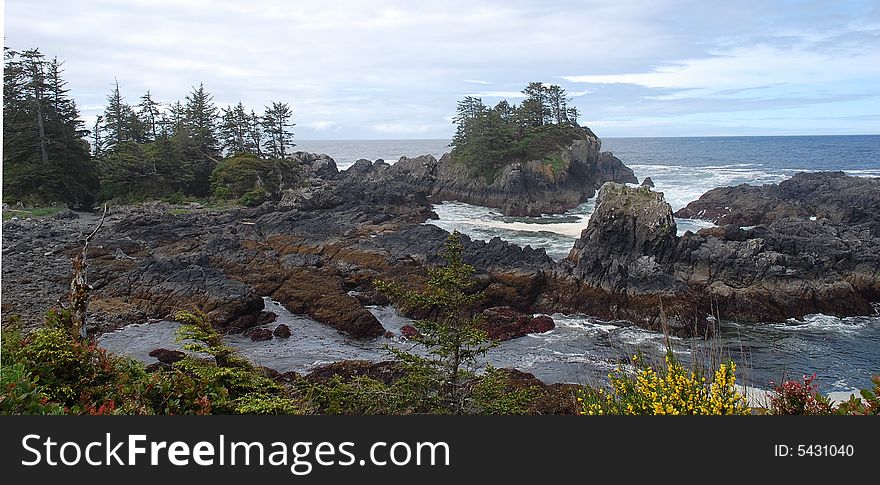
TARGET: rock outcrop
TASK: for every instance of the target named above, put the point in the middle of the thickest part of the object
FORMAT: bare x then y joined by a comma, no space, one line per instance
630,264
622,265
835,196
319,249
505,323
528,188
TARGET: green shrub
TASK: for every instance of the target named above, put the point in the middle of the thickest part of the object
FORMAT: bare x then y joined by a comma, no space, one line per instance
22,393
869,404
251,179
50,371
492,394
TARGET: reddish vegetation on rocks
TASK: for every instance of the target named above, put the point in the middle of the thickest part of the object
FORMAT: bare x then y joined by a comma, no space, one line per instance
505,323
410,332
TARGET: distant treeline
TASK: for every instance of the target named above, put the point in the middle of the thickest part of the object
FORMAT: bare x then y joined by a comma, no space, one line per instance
133,152
487,138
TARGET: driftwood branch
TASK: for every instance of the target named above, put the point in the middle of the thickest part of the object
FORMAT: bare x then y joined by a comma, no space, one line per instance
79,285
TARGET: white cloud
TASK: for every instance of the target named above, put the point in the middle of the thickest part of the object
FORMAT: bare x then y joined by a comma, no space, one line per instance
376,66
748,67
499,94
321,125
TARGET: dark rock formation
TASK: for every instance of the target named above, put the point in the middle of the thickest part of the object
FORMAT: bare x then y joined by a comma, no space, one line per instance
505,323
385,372
319,250
281,331
546,399
266,318
853,201
526,188
648,183
629,243
259,334
622,265
166,356
630,264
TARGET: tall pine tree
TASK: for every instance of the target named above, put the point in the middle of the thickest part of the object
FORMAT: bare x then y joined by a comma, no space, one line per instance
277,125
45,158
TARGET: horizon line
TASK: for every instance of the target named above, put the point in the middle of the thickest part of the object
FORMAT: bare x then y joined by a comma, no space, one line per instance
607,137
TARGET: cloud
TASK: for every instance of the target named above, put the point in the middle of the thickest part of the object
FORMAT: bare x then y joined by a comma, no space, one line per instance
499,94
751,67
321,125
395,69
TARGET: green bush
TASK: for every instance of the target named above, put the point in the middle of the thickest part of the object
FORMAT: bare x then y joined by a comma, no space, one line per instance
50,371
22,393
492,394
869,404
251,179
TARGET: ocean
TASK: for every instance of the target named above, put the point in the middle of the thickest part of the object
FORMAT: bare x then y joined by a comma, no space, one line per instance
843,353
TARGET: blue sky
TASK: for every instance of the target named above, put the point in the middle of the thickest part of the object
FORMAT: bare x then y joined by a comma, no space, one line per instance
394,69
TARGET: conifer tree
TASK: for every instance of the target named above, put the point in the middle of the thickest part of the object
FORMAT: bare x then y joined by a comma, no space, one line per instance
276,125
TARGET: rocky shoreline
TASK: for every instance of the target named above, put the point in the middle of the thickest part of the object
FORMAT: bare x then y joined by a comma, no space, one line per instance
318,248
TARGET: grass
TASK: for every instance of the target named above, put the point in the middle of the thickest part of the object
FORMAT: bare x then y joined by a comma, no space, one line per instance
556,163
33,212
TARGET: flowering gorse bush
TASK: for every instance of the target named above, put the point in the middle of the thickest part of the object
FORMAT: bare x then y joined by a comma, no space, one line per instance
670,389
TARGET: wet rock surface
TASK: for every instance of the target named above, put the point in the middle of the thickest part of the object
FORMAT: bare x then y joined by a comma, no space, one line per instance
320,248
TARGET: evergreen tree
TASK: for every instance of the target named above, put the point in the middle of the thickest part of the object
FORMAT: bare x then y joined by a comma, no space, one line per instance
201,146
234,130
117,118
97,141
467,119
149,115
536,108
558,104
450,330
276,123
255,134
572,115
45,159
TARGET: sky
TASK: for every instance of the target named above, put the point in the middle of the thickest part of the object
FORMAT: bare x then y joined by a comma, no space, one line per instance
395,69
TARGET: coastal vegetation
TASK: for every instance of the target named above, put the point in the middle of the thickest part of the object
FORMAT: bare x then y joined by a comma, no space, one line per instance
133,152
490,137
53,370
666,389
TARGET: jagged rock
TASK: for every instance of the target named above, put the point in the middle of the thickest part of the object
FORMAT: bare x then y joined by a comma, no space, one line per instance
385,372
525,188
622,265
166,356
281,331
266,318
818,195
629,243
259,334
648,183
68,214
